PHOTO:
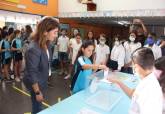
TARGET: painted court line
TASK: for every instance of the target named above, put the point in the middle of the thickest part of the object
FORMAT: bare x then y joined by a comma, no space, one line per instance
23,92
27,113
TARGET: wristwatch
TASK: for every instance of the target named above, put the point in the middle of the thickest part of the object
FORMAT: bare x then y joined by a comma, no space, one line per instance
37,93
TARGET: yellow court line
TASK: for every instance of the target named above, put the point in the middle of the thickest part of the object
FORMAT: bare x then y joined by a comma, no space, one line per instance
59,99
23,92
27,113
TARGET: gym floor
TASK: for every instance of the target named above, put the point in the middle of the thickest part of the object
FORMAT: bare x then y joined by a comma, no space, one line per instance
14,98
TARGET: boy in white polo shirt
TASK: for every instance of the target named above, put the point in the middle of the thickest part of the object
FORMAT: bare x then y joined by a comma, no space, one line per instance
147,98
63,44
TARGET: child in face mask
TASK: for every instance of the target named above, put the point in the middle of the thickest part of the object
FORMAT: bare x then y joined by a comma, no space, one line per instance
102,51
150,42
117,56
147,98
130,46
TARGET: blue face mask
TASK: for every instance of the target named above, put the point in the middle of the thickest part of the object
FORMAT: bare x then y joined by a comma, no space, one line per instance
150,41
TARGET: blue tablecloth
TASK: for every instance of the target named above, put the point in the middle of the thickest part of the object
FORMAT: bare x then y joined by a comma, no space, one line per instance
78,101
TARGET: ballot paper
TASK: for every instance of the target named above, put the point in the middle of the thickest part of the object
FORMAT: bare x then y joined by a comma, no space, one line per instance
106,72
104,99
87,111
106,75
94,85
105,81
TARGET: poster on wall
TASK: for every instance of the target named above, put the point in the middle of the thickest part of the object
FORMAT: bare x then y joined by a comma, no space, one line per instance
44,2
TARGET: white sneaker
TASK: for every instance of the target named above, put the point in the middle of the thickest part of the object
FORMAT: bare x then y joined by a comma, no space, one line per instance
12,76
67,77
21,77
17,79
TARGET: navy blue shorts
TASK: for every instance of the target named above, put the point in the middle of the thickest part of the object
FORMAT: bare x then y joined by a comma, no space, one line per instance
63,56
18,57
6,61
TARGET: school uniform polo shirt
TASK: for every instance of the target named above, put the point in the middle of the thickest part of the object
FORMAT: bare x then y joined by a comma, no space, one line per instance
147,97
75,48
101,53
63,42
118,55
129,49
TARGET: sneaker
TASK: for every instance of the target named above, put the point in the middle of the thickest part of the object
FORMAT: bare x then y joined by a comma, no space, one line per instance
21,77
67,77
17,79
12,77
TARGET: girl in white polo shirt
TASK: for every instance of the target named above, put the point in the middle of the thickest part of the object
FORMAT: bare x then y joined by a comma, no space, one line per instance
102,51
117,56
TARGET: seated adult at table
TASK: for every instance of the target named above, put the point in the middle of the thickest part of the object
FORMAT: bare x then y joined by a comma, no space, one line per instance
147,98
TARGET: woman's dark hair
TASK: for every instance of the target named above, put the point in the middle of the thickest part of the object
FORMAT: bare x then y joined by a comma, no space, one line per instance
10,31
4,34
153,34
45,25
28,29
5,28
143,57
93,40
85,44
11,34
160,65
136,39
16,32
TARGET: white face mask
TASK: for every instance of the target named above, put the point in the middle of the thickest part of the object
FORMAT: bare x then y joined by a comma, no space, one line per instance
102,42
117,43
135,72
75,32
132,39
